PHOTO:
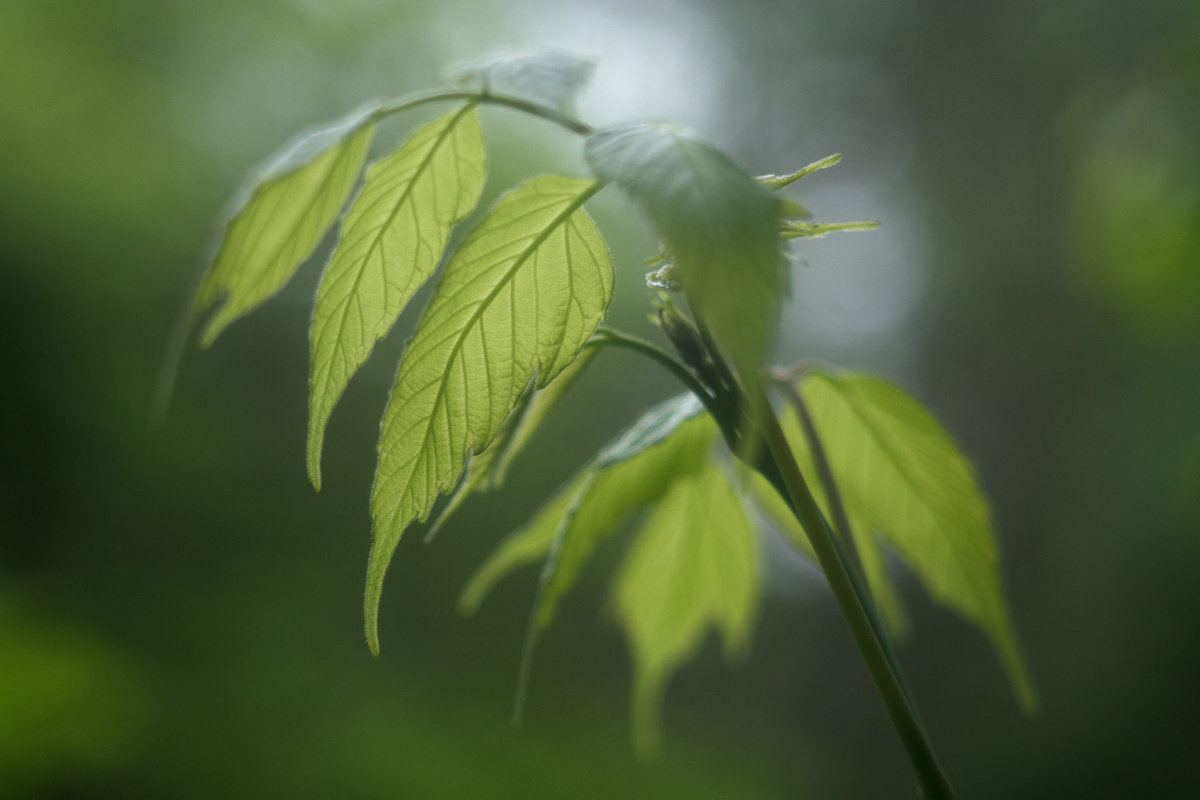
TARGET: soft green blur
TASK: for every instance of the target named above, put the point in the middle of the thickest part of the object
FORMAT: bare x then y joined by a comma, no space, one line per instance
180,614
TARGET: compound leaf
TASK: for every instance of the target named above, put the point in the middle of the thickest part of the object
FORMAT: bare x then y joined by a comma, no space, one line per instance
718,222
694,564
392,239
901,475
278,220
517,302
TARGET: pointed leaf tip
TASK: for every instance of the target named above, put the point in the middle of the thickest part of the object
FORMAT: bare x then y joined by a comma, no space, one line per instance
392,240
519,299
278,220
903,478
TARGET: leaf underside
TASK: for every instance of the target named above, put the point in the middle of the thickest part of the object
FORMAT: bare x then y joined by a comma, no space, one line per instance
719,224
517,302
279,220
904,481
694,564
551,77
392,240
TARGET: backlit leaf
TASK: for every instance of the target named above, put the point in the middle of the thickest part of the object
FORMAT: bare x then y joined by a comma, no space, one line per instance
718,222
392,239
901,476
487,470
279,219
693,565
672,438
518,301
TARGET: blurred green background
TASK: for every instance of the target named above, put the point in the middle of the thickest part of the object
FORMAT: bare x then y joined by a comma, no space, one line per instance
180,612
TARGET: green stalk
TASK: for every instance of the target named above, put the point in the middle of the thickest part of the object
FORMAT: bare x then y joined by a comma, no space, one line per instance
850,599
527,106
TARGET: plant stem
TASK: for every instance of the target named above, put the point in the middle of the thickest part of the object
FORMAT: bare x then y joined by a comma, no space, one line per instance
527,106
849,596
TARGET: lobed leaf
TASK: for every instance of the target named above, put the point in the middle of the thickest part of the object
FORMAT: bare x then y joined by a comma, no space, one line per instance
392,239
551,77
718,222
694,564
517,302
902,477
277,221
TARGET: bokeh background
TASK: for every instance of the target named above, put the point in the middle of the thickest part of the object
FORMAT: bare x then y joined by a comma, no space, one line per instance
180,612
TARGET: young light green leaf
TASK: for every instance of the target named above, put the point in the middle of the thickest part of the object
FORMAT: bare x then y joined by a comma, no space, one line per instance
392,239
803,229
551,77
670,439
519,299
486,471
693,564
719,224
900,474
780,181
278,220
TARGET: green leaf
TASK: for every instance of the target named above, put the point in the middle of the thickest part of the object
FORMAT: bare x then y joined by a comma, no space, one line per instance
901,476
624,477
671,440
551,77
519,299
278,220
392,239
719,224
802,229
780,181
486,471
694,564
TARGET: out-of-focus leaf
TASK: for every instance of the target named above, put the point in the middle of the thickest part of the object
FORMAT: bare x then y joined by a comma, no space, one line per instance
780,181
277,221
626,476
392,239
901,476
803,229
549,77
694,564
518,301
719,224
487,470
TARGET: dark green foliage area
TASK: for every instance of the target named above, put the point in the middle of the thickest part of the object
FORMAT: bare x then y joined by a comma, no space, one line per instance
180,612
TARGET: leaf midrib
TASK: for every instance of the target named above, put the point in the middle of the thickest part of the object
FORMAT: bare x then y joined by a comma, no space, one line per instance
540,239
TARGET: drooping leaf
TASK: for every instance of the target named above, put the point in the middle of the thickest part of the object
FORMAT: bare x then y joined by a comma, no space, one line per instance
280,217
693,564
519,299
902,477
670,439
486,471
392,239
550,77
718,222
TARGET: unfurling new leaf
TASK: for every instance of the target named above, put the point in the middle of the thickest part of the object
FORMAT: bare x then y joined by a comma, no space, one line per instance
279,219
517,302
391,242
